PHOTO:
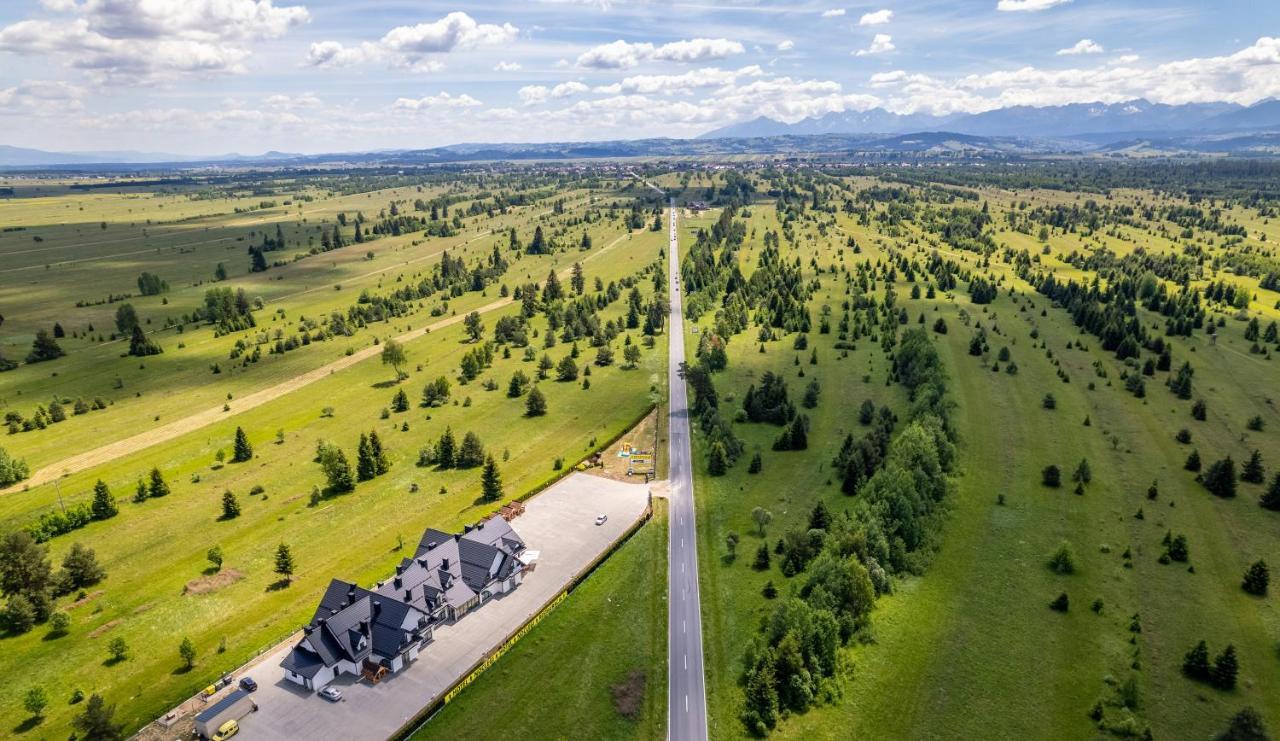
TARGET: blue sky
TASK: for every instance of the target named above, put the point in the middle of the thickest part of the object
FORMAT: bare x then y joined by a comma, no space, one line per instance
213,76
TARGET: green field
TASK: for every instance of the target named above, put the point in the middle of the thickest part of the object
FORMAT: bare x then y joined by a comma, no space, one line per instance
948,651
157,590
601,652
962,643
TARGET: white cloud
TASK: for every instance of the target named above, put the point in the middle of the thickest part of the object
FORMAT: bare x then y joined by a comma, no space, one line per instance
40,98
697,50
443,100
1127,59
145,40
333,54
1028,5
1083,46
882,43
877,18
786,45
833,13
507,67
624,55
568,89
292,102
679,84
615,55
412,47
532,94
1244,77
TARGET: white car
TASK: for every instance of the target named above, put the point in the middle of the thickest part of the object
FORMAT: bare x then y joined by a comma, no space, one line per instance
602,519
332,694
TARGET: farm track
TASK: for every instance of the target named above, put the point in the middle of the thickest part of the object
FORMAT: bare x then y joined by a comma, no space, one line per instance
127,446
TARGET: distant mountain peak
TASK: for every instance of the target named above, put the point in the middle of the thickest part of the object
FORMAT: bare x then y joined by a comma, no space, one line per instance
1094,120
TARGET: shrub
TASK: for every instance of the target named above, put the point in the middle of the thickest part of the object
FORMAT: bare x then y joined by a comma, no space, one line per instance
1063,560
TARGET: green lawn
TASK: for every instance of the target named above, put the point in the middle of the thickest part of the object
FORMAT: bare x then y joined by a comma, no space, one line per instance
560,680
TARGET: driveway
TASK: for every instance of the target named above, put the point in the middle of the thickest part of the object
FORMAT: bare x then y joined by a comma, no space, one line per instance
559,523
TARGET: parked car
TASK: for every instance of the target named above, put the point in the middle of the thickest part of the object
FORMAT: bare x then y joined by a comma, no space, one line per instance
248,685
602,519
332,694
226,730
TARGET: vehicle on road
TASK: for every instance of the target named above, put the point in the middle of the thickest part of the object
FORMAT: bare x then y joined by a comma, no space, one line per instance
226,730
602,519
248,685
332,694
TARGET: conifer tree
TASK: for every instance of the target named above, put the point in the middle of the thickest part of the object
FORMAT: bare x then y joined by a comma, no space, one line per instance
366,466
1253,471
242,450
490,481
104,505
230,507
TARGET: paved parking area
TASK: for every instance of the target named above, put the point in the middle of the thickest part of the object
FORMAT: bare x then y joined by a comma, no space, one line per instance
560,523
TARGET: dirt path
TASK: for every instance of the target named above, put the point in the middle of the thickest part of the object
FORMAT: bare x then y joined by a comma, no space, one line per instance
177,428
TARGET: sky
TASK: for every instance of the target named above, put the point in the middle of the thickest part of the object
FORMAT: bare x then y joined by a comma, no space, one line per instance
219,76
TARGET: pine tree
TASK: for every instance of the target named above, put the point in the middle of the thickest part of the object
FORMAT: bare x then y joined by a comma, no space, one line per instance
490,481
535,404
1253,471
717,459
284,562
1271,499
1225,669
446,449
471,454
44,348
400,402
1257,579
230,506
1220,478
366,466
158,487
96,721
140,345
1245,725
1195,663
381,463
104,505
242,450
762,558
1193,461
552,290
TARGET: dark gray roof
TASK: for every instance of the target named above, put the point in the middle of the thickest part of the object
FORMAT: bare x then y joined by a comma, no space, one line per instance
220,706
303,662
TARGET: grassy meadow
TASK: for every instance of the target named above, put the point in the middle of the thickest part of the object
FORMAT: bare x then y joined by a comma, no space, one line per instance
158,588
971,649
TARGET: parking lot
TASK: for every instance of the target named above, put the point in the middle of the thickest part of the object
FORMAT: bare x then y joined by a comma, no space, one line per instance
559,523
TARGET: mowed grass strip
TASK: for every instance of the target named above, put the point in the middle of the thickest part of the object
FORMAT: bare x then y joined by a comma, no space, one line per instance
595,667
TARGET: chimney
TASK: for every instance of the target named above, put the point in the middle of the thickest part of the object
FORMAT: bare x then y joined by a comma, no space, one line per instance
306,630
444,563
377,608
467,528
399,568
398,582
408,595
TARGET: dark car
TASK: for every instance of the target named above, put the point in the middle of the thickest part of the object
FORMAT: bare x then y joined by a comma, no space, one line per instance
248,685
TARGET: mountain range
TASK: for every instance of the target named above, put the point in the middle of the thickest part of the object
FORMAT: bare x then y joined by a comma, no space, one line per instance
1099,123
1136,127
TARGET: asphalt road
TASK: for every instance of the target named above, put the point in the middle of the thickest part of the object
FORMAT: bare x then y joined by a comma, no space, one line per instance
686,690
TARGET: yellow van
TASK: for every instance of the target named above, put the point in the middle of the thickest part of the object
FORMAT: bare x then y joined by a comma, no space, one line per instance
226,730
